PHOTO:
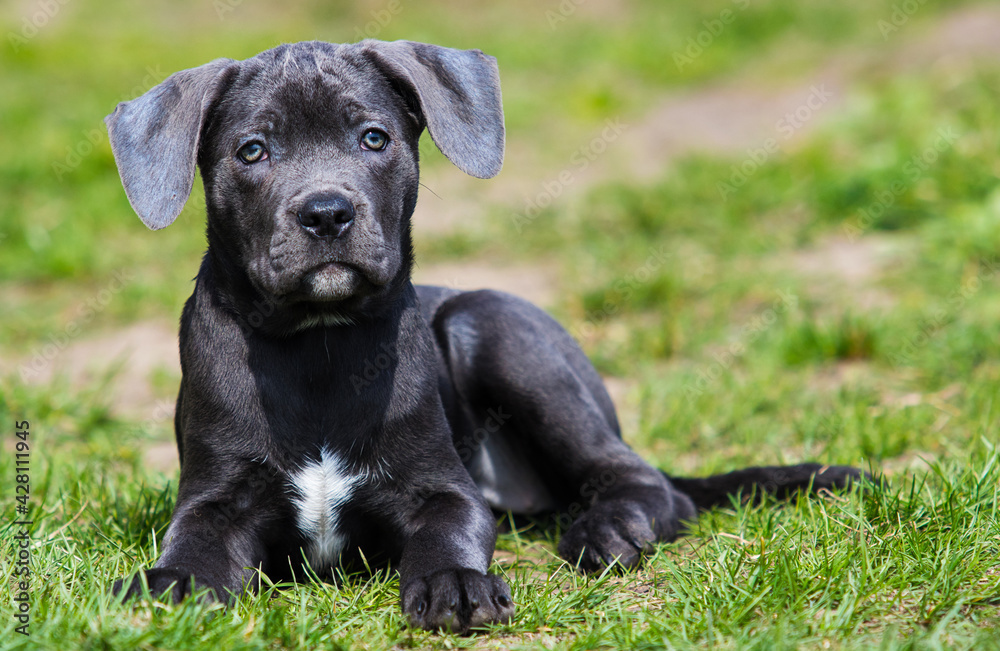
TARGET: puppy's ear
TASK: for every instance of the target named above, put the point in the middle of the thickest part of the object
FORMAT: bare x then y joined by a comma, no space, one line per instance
155,140
459,96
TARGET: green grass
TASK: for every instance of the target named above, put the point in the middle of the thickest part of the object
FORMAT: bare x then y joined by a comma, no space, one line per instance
737,323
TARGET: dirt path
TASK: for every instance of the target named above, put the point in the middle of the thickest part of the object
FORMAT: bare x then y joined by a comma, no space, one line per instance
724,117
728,116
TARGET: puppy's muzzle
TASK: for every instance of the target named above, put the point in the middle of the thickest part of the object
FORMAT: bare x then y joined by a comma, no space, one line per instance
326,216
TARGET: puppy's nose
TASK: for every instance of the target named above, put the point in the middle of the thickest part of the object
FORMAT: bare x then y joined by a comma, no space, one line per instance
326,216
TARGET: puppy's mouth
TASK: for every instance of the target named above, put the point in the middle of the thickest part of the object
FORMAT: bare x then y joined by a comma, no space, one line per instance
332,281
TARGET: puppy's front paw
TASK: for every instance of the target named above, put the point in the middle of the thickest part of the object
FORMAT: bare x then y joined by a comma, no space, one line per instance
173,583
456,600
610,531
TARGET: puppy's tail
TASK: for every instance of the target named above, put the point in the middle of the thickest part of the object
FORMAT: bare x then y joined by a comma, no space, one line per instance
753,483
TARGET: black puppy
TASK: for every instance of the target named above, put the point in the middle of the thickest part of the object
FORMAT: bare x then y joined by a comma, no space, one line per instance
328,408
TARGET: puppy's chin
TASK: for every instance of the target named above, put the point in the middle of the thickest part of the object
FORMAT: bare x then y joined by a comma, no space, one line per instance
332,282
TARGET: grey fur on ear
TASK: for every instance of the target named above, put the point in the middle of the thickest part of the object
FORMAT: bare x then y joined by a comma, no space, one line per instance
155,140
459,95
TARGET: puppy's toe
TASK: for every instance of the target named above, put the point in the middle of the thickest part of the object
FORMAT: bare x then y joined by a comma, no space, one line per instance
445,602
489,601
608,532
456,600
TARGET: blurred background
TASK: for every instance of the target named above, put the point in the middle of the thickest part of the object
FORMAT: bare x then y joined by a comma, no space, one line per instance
742,210
774,225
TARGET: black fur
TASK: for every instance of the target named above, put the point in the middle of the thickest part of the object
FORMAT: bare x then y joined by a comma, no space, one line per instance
305,340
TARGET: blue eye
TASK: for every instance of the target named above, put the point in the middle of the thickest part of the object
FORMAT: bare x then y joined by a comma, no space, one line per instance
252,152
374,140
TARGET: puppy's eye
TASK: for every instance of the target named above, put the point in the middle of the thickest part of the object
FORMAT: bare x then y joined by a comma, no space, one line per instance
375,140
252,152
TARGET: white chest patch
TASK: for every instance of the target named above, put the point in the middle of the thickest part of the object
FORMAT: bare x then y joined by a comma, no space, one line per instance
321,488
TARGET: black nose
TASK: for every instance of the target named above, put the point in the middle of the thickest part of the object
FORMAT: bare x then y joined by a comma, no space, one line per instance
326,216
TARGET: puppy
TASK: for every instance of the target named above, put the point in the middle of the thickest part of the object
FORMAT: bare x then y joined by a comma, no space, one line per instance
332,413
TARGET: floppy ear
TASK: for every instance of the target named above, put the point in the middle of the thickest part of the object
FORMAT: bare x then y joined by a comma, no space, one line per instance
155,140
459,96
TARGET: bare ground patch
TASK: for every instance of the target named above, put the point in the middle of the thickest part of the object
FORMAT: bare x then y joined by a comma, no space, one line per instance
134,354
844,270
737,114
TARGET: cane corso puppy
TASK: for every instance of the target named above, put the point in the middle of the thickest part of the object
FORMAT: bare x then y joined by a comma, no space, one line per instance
330,412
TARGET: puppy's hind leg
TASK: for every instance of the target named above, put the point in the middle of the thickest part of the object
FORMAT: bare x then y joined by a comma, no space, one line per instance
503,352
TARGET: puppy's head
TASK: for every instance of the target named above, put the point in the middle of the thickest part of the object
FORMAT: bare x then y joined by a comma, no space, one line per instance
309,157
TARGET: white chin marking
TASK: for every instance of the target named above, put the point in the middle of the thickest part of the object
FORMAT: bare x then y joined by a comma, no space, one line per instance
321,488
332,282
